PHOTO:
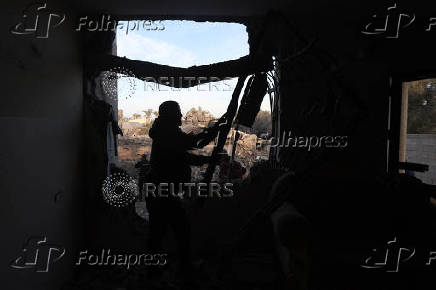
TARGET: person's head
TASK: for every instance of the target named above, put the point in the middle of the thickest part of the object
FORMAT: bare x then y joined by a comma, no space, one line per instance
170,112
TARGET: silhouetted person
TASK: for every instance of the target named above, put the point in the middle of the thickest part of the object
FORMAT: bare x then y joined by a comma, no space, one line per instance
170,163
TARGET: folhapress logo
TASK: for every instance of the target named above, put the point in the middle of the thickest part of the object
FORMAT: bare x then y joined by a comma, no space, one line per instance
392,256
38,20
390,23
38,255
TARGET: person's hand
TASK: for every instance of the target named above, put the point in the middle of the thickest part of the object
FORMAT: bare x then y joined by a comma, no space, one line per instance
222,120
213,131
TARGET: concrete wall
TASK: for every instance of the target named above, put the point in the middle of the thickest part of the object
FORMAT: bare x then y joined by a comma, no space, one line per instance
41,111
421,148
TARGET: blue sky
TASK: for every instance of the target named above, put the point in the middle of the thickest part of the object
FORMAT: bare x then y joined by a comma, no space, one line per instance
181,44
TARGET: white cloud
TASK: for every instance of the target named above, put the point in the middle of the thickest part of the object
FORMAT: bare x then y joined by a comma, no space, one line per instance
139,47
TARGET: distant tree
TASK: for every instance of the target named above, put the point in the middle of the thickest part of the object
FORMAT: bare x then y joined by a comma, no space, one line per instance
136,116
148,114
198,115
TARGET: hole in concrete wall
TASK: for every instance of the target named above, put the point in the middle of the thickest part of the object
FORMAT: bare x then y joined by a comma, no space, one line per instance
179,44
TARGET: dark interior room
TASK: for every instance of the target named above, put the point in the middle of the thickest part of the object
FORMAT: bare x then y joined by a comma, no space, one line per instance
248,145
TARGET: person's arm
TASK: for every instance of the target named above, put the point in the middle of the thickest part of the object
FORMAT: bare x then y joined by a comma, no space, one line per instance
191,141
205,137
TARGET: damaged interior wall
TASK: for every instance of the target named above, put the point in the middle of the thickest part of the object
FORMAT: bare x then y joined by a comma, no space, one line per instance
41,148
364,65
